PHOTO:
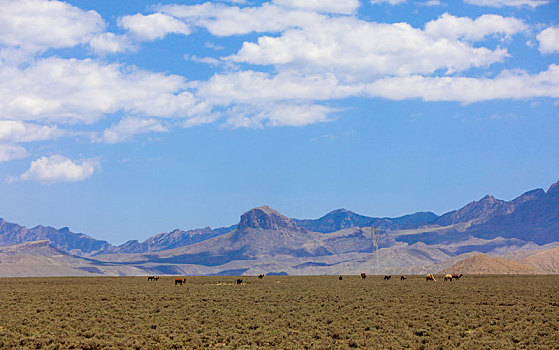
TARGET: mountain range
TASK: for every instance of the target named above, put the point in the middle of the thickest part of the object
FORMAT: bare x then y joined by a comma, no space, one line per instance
265,241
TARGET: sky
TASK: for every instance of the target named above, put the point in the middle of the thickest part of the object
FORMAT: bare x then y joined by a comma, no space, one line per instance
124,119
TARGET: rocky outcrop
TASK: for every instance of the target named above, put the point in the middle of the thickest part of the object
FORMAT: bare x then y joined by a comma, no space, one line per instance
266,218
63,239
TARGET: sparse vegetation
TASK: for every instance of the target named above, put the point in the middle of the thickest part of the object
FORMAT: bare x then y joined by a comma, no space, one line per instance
287,312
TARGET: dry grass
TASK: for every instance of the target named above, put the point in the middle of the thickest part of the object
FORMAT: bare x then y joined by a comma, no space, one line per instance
322,312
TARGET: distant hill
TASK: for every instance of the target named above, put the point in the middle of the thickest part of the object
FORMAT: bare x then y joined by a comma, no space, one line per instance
342,218
539,262
41,259
63,239
531,217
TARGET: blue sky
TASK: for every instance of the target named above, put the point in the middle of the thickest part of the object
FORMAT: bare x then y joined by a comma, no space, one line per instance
125,119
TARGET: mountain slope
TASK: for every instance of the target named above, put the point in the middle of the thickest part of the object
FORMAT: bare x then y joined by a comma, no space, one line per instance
75,243
40,259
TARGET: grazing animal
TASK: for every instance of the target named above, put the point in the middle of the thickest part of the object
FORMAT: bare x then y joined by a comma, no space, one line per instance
239,281
456,276
261,276
156,278
179,281
430,277
151,278
403,278
363,275
387,277
340,278
448,277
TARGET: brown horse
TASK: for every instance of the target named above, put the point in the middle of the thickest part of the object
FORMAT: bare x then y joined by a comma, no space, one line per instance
387,277
363,275
403,278
179,281
430,277
448,277
340,278
261,276
456,276
239,281
156,278
151,278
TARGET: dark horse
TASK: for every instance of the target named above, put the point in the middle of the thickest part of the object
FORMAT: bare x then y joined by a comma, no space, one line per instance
387,277
261,276
179,281
153,278
403,278
340,278
363,275
456,276
239,281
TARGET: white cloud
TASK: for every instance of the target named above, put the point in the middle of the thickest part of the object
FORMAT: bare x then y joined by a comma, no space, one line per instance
549,40
327,6
109,43
16,131
58,168
391,2
258,87
356,49
507,85
513,3
222,20
36,25
71,90
154,26
451,27
259,116
11,152
128,127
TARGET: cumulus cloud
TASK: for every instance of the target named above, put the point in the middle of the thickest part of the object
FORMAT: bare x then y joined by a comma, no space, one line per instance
549,40
11,152
327,6
16,131
154,26
36,25
275,114
58,168
451,27
110,43
128,127
360,50
513,3
257,87
507,85
72,90
222,20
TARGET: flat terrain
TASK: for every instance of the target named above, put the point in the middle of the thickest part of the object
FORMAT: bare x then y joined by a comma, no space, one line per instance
476,312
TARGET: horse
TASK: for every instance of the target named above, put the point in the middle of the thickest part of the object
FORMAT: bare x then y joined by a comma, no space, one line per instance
456,276
363,275
239,281
261,276
448,277
156,278
151,278
403,278
179,281
340,278
430,277
387,277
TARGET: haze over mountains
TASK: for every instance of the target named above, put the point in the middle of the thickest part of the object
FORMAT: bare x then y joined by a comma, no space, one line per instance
265,241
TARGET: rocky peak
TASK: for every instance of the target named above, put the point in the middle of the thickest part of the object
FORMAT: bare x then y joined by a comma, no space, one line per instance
266,218
554,189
